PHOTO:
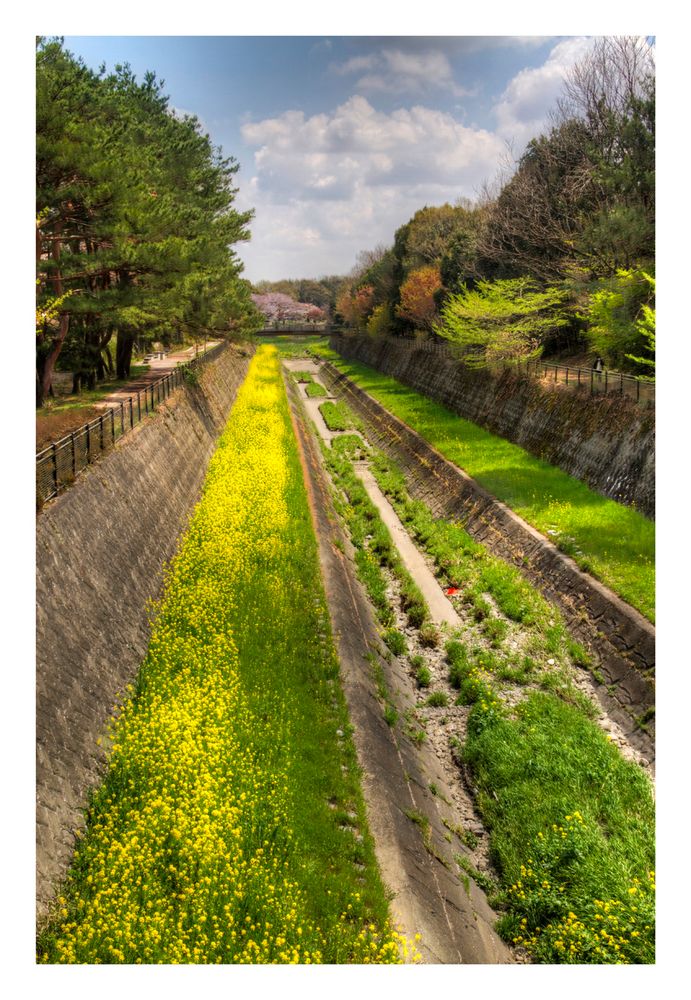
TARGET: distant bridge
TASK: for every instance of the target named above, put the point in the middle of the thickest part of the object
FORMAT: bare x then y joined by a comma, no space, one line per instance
290,330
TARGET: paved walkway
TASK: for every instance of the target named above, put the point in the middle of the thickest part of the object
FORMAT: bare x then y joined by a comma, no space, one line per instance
158,367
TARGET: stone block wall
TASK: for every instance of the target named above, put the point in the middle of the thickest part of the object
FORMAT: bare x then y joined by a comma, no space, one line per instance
606,441
101,548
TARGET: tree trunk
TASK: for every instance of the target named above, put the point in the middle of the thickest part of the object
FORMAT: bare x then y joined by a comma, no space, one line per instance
123,354
45,370
46,376
105,361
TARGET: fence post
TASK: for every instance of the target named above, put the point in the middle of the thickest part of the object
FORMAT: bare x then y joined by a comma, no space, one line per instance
88,444
605,382
592,387
638,390
55,466
74,456
567,374
100,427
579,378
146,401
122,417
621,383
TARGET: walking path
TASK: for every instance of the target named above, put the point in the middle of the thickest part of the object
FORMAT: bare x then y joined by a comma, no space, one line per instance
158,367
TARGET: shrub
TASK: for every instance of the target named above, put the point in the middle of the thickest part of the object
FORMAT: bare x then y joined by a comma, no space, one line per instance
396,641
423,677
429,635
459,664
619,327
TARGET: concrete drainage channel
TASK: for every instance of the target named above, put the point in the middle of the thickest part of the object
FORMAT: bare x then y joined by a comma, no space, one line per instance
621,640
431,845
419,811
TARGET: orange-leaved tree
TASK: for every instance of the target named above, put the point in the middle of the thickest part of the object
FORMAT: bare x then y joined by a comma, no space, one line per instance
417,303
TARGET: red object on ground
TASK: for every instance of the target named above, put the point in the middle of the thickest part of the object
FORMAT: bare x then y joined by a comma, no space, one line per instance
452,591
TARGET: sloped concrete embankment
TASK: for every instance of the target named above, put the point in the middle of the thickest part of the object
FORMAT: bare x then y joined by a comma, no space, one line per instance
101,549
606,441
621,640
454,919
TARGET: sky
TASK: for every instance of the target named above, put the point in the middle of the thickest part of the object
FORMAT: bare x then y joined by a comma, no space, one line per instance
340,139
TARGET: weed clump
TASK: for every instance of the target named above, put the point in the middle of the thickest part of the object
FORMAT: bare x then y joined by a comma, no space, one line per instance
396,641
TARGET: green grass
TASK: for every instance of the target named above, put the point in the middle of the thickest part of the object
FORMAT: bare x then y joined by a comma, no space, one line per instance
571,823
543,769
315,389
613,542
374,549
336,416
295,347
571,828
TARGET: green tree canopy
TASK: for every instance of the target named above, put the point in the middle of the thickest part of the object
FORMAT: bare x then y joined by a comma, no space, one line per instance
621,320
135,224
504,320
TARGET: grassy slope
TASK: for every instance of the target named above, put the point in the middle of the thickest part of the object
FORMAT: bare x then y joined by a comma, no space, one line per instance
613,542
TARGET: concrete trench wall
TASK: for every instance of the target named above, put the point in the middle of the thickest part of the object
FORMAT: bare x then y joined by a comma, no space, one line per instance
619,637
606,441
101,548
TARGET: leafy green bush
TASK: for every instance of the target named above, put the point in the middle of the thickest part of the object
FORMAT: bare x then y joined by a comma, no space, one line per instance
621,321
459,663
502,320
379,323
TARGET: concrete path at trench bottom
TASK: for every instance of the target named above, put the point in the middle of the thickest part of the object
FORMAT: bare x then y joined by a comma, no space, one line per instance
441,609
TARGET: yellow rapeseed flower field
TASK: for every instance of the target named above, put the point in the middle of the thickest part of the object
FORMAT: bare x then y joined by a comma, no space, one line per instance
197,847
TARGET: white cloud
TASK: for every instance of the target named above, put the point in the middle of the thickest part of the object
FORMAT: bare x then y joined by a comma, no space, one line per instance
337,155
329,185
522,111
395,71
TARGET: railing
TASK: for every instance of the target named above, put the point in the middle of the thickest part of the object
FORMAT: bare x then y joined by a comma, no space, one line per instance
292,327
59,464
640,389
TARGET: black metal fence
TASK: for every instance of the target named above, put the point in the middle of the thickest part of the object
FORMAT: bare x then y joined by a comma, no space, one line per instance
587,379
58,465
640,389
